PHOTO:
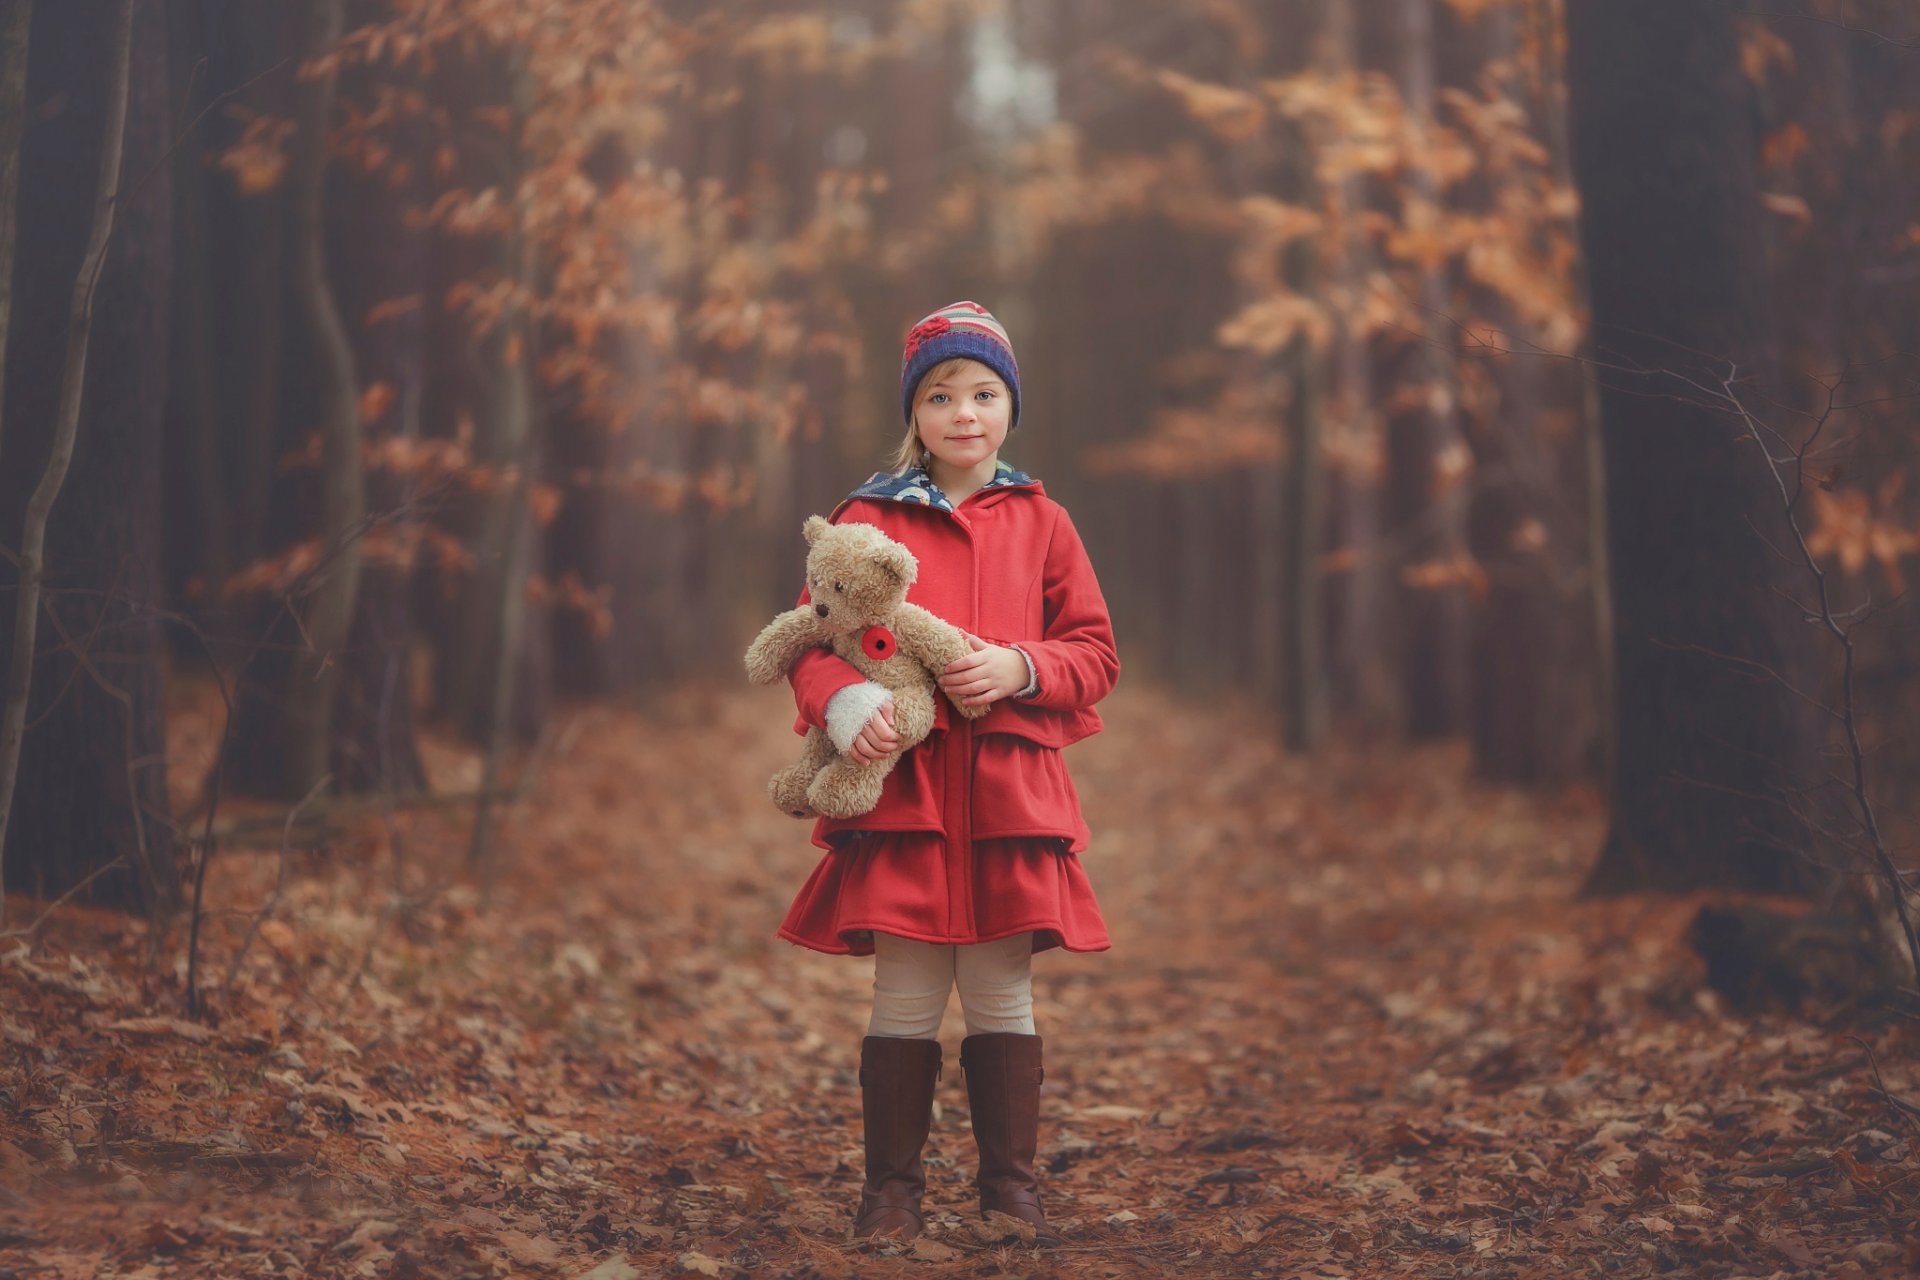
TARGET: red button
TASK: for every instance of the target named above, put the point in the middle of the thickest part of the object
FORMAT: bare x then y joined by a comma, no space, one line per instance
877,643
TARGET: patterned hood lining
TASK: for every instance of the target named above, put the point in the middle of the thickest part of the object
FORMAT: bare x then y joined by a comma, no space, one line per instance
915,485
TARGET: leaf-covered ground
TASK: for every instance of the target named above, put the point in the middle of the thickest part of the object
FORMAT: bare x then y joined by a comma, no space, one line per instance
1353,1024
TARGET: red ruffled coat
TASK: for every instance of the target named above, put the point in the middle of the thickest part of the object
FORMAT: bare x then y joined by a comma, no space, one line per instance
978,830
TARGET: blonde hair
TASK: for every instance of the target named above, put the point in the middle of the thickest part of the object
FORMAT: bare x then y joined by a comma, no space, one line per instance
910,450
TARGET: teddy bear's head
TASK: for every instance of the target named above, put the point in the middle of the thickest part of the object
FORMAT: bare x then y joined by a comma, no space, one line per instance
856,575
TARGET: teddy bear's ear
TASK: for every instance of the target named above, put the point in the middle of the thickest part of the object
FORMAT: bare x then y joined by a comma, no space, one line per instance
899,562
813,528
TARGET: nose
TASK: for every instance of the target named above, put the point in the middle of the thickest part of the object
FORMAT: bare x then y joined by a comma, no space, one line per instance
820,609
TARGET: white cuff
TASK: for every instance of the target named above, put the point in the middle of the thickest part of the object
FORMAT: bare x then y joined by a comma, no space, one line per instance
1033,678
849,710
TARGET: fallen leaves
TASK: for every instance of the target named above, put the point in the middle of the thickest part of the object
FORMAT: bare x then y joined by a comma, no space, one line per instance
164,1027
1237,1140
927,1249
1355,1024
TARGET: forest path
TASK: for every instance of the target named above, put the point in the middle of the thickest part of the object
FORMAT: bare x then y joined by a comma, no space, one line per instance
1352,1024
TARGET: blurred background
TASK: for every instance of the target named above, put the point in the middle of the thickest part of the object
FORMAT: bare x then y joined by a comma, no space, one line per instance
454,360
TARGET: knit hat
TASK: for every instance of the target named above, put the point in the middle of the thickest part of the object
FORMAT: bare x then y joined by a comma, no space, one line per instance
962,330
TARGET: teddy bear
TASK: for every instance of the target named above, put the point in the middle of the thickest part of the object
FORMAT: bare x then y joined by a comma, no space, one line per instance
857,580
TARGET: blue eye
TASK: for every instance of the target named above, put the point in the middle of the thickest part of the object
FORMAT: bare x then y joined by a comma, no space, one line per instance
987,394
937,397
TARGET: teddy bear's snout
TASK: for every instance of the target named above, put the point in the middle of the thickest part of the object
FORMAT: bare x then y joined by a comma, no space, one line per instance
820,609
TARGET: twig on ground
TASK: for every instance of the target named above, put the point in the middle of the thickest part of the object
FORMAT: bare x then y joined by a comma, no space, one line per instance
279,887
1776,1169
347,809
28,929
1907,1111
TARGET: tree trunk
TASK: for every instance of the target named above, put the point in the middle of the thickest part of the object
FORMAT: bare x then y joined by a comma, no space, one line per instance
273,385
16,23
1710,743
200,536
381,265
515,433
1362,686
91,779
1533,704
505,543
259,303
329,613
1422,426
1303,585
515,436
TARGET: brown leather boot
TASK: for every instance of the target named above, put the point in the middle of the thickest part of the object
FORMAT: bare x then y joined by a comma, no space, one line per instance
1003,1089
896,1099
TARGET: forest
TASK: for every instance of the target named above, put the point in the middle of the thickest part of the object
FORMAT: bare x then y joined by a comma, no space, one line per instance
1491,422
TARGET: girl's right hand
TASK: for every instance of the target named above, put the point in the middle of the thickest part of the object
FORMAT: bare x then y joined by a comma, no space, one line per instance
877,739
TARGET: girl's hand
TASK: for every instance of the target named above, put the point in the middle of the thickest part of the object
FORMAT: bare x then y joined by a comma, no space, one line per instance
988,674
878,738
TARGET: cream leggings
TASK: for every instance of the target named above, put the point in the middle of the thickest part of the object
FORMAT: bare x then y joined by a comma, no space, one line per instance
911,981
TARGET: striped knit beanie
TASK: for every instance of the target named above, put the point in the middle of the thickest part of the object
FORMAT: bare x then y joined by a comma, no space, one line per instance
963,330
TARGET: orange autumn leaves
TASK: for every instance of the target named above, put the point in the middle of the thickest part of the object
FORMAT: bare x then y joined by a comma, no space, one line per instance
570,159
663,261
1857,529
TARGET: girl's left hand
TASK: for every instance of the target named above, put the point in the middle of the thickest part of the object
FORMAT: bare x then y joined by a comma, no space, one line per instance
989,673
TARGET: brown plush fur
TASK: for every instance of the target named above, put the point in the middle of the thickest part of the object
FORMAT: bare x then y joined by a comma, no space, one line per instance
857,578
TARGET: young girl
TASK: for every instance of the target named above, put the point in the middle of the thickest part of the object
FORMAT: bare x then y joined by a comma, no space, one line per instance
969,864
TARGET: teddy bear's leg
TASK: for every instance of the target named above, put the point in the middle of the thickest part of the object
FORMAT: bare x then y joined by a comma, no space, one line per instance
789,786
913,714
846,788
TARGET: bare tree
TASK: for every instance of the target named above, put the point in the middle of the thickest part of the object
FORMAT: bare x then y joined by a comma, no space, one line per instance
1423,438
491,369
510,533
195,382
33,536
1531,499
1358,598
16,23
316,673
380,264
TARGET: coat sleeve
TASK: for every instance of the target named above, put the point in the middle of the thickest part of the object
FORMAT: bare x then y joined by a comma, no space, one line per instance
816,677
1076,664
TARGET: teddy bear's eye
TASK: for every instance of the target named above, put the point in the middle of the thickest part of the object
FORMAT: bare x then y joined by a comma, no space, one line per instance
839,588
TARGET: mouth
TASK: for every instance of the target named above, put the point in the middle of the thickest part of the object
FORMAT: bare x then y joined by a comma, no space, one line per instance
960,439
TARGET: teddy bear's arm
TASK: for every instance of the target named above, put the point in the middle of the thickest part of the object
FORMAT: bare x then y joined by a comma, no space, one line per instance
933,642
928,638
781,642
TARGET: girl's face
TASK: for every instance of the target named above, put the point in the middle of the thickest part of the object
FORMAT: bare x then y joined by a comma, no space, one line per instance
962,417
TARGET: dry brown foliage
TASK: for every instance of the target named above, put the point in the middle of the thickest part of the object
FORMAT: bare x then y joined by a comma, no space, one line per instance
1352,1025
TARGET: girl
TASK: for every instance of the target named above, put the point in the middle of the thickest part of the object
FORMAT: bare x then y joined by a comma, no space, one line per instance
969,863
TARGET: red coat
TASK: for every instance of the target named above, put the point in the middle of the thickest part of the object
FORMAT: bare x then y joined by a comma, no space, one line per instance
978,828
